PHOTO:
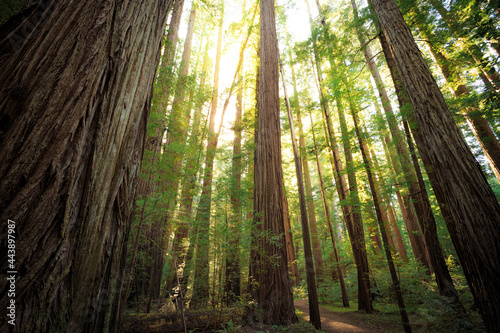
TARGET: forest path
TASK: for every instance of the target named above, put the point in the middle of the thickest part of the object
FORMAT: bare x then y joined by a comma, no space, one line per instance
336,322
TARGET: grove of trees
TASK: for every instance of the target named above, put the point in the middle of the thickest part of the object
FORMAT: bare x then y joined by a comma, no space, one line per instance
223,159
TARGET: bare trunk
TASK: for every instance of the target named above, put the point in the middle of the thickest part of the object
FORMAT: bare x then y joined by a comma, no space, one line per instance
460,187
339,275
383,228
74,117
292,262
268,267
201,270
357,238
310,274
480,128
189,180
232,260
177,133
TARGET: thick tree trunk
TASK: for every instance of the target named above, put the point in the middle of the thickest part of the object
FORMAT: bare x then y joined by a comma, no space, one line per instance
480,128
76,84
460,187
268,267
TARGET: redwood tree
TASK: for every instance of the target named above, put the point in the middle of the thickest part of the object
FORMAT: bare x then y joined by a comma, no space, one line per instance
268,267
76,82
460,186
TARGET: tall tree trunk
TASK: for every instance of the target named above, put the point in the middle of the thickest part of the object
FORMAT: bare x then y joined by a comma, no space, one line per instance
71,145
357,238
417,242
480,128
193,161
383,228
201,270
268,267
178,130
338,274
292,262
357,222
200,294
460,187
442,275
232,287
310,274
392,215
318,260
404,168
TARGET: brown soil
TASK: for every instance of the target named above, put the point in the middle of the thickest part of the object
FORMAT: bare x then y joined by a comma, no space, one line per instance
333,322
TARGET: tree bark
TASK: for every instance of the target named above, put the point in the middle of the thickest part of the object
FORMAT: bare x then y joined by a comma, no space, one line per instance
339,275
355,229
460,187
268,267
480,128
310,274
178,129
233,256
201,270
76,84
383,228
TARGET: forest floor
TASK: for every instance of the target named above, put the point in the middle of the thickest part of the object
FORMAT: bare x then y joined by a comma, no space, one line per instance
334,319
345,321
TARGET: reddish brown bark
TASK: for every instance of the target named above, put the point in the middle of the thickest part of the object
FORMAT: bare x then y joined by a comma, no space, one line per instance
76,90
460,187
268,267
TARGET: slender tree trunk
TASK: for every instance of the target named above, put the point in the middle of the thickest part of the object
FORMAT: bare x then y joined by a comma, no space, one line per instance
232,260
201,270
356,232
268,267
339,275
375,195
71,149
460,187
191,170
318,261
310,274
292,262
357,222
392,215
357,238
178,131
200,293
383,228
409,217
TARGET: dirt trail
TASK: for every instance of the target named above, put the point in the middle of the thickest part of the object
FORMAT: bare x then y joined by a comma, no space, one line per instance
333,322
